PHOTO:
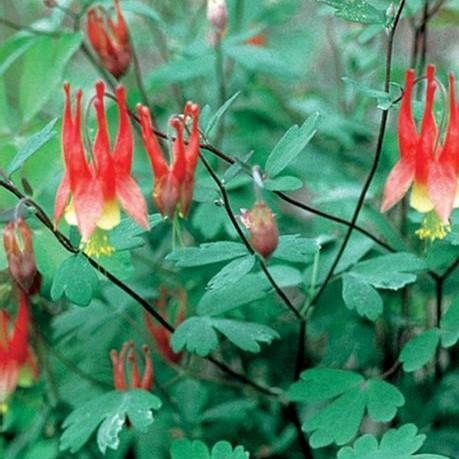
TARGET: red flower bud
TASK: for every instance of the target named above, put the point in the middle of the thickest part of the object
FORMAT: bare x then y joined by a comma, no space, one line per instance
109,40
15,352
159,334
217,14
261,223
119,371
17,240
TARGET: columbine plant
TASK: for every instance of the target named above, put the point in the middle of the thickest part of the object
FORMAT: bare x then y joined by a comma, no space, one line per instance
92,192
426,165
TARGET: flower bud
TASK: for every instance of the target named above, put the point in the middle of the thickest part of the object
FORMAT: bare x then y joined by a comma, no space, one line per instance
261,224
217,14
17,240
109,39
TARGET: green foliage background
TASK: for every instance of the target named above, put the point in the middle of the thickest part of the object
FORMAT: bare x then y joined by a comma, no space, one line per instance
353,400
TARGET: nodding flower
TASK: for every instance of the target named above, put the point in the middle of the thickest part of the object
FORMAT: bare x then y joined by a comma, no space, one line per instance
17,241
16,356
173,183
92,192
134,381
426,165
160,335
109,39
262,227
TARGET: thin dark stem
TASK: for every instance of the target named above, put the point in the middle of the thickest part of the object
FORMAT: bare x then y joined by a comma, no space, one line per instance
292,414
65,242
234,222
451,269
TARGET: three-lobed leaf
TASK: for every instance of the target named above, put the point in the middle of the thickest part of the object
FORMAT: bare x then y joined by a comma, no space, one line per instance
76,279
197,335
108,414
186,449
349,395
402,443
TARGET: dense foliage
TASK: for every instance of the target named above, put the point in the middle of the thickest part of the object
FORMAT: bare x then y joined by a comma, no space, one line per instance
247,281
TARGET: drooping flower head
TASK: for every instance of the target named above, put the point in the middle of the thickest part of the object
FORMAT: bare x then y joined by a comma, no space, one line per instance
17,241
174,183
92,191
109,39
134,381
262,227
160,335
425,165
16,357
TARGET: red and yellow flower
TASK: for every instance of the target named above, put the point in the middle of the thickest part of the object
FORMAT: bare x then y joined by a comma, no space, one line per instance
92,191
127,354
160,335
109,39
17,361
17,241
425,165
174,183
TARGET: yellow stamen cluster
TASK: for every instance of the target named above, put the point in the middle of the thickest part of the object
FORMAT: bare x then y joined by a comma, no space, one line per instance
98,245
432,228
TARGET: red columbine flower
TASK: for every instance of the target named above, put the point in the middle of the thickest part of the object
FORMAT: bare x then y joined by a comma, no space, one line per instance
17,240
16,356
424,163
98,188
261,223
174,184
119,372
158,332
109,40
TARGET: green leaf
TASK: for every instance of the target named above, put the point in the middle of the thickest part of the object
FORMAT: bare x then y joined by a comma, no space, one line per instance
392,271
111,411
317,385
285,183
361,296
245,335
250,288
76,279
382,96
449,325
290,146
128,234
349,395
420,350
400,443
383,400
232,272
208,253
33,144
357,11
12,49
220,113
45,61
186,449
197,335
296,249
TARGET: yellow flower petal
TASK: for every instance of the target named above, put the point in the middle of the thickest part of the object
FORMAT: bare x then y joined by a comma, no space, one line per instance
419,198
110,217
